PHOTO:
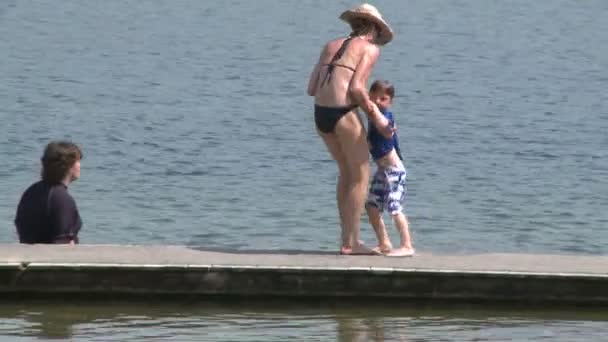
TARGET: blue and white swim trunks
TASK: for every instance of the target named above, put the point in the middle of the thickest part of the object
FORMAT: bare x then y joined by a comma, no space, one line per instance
387,190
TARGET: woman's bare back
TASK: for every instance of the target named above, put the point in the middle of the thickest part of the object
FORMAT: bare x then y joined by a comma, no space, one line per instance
335,75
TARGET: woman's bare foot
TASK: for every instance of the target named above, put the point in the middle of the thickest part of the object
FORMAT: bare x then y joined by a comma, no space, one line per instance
358,249
346,250
382,249
401,252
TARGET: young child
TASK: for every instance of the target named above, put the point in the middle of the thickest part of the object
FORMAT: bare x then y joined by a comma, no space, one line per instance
387,189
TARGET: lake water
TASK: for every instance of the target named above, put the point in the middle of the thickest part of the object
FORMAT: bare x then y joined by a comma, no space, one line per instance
196,130
274,321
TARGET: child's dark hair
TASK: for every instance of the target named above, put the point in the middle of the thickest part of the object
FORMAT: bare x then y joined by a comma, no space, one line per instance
383,86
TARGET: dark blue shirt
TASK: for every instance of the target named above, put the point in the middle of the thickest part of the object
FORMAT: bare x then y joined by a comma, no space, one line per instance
379,146
47,213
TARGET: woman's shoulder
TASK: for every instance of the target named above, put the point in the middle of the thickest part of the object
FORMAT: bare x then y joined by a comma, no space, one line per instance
334,43
363,46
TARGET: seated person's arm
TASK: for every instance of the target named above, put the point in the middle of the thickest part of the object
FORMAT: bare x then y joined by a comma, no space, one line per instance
65,219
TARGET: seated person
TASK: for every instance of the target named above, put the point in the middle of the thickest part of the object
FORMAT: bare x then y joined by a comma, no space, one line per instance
47,213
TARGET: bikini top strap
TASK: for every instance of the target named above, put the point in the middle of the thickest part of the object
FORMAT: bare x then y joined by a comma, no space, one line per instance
337,56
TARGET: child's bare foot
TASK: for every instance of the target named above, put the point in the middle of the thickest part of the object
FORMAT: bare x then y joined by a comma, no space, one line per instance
401,252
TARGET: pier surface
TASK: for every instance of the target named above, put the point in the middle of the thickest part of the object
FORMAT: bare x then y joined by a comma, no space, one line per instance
57,270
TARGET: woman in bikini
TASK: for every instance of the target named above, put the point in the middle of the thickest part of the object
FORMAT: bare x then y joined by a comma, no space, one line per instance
338,83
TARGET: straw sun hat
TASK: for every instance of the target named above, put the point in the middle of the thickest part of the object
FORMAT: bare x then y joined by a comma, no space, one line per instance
369,12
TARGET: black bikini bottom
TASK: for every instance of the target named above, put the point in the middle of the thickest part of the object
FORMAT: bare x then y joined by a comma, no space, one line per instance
326,118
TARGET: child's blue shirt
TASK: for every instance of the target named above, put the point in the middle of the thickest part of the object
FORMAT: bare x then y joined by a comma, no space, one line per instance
379,146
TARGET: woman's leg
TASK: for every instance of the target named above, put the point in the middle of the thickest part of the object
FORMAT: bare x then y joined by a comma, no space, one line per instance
352,138
333,145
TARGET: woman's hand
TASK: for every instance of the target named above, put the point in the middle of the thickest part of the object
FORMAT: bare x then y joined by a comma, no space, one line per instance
381,122
387,131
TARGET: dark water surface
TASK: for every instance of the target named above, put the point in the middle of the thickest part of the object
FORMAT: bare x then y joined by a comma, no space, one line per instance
278,321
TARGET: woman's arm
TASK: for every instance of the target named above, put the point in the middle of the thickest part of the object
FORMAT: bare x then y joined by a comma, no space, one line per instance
358,91
314,79
314,75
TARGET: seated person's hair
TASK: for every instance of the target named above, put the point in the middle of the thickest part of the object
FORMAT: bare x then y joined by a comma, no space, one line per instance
58,158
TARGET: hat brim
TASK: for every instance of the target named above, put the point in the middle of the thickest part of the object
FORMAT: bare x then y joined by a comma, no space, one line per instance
386,33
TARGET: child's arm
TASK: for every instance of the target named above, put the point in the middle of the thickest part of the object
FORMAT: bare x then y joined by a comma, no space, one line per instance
396,138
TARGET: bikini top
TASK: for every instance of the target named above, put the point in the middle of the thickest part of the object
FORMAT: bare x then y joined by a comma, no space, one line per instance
333,63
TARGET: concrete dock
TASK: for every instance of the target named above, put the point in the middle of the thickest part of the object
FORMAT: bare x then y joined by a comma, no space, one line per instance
56,270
